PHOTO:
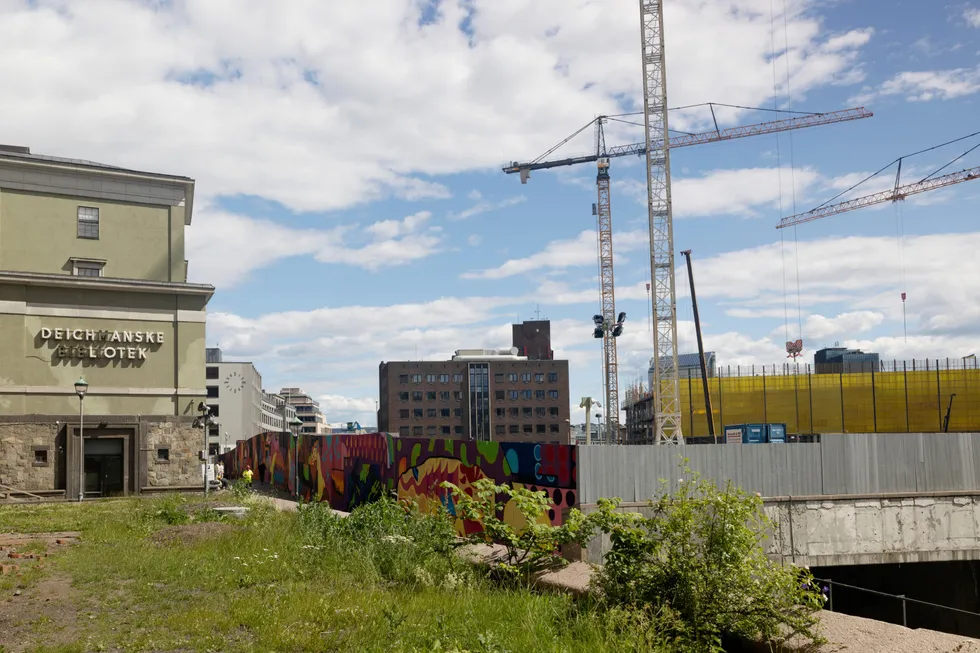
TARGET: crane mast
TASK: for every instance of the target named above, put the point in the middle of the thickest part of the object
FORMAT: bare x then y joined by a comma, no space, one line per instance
666,384
607,291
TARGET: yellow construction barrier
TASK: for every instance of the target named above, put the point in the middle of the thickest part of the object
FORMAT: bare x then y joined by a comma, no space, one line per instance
879,402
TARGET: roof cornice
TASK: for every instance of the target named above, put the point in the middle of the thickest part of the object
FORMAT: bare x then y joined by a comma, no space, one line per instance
105,283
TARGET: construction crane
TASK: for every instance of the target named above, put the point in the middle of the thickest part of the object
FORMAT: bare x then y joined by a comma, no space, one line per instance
896,194
610,324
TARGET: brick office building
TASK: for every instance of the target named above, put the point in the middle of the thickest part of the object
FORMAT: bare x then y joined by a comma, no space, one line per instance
481,394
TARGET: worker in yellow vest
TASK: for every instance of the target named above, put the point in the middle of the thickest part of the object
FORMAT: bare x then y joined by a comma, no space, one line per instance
247,475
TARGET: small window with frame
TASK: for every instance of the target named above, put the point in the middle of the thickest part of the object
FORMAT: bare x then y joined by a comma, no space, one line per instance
83,268
88,222
163,454
41,457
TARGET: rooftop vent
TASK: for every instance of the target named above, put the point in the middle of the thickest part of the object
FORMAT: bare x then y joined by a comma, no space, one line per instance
19,149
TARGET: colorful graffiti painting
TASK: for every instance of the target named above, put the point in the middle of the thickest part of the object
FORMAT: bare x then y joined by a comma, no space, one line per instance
424,464
348,470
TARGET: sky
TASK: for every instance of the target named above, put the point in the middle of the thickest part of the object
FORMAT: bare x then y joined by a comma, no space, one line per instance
351,209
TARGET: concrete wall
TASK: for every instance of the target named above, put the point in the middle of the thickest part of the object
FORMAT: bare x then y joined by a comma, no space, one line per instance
841,464
835,531
36,379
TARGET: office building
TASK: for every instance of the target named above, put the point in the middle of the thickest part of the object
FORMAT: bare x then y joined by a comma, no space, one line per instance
689,365
480,394
93,284
276,413
307,411
841,360
234,391
240,408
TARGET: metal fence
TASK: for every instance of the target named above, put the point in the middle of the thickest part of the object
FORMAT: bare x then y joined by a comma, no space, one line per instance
895,365
907,401
855,464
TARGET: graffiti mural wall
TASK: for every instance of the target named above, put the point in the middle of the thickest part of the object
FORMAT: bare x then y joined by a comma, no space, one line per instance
422,465
344,470
348,470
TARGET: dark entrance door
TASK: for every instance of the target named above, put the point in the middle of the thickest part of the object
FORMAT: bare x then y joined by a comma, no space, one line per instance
104,467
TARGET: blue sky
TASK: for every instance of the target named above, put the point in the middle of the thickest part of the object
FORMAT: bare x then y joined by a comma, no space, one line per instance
351,207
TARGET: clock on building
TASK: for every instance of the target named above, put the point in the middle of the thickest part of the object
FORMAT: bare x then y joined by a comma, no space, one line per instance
235,382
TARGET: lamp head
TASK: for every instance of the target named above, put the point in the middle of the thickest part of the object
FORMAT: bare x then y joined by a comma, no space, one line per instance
81,387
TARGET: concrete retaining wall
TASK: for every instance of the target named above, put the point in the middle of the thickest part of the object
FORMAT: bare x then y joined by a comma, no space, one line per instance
855,530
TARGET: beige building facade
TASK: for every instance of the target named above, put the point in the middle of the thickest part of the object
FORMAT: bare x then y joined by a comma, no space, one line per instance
93,285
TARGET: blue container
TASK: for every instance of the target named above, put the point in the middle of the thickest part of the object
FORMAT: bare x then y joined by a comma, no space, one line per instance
745,434
776,433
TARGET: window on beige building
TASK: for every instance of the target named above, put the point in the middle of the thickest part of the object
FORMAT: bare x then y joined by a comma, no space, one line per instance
83,268
88,222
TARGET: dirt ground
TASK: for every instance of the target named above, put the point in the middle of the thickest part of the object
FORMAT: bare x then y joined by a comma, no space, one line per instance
190,533
49,605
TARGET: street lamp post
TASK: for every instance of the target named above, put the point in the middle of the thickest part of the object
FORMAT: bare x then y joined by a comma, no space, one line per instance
81,387
294,426
205,411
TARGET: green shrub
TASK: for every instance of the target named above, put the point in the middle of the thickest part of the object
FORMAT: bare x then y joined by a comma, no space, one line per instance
532,548
171,510
240,489
397,542
698,570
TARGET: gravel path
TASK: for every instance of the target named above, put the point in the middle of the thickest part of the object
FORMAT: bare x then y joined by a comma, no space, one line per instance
856,634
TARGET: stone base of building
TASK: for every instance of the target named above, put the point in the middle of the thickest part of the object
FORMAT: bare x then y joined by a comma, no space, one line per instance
123,454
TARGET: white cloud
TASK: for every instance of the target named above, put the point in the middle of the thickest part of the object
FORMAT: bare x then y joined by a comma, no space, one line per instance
972,16
861,274
563,254
388,229
483,206
258,94
925,85
821,328
739,192
474,240
225,248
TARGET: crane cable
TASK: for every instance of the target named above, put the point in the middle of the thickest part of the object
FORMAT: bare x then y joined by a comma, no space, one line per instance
900,238
792,168
779,169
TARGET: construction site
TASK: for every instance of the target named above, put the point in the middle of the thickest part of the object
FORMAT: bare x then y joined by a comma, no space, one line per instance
940,395
679,407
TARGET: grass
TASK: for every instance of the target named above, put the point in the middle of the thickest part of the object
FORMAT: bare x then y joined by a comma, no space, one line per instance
289,582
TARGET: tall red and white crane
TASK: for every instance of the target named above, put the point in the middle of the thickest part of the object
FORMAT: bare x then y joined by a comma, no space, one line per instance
609,324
